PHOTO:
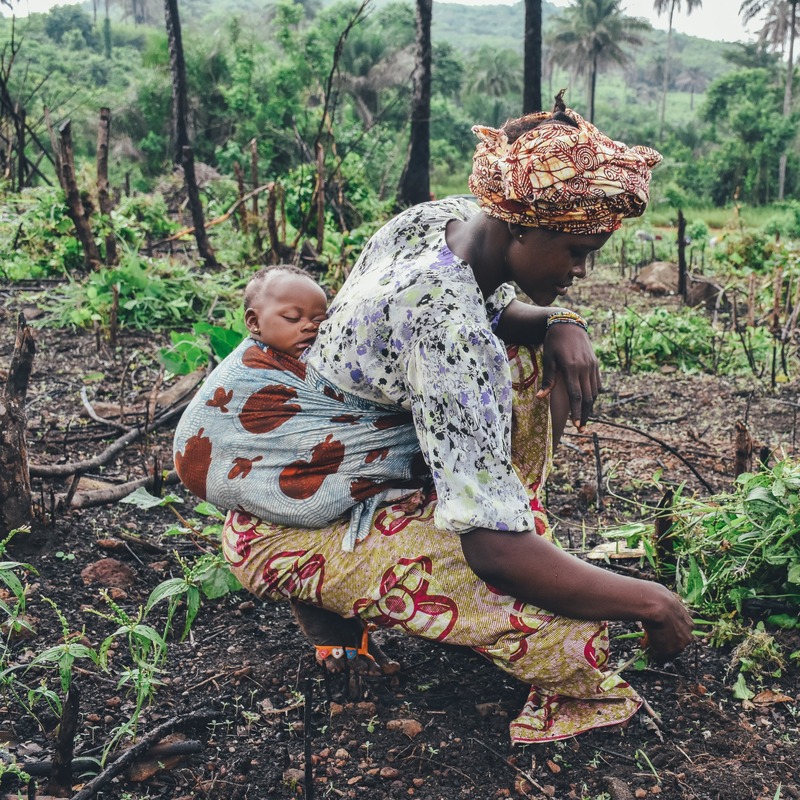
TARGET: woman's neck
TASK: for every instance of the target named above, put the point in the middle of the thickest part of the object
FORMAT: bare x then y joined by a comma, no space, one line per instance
481,241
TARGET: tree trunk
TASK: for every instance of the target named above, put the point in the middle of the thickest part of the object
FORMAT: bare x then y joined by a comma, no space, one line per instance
22,167
103,196
415,183
177,64
16,505
204,248
592,88
682,282
532,83
665,87
787,97
184,155
75,207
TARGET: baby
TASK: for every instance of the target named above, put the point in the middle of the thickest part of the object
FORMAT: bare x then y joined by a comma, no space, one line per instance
283,308
279,424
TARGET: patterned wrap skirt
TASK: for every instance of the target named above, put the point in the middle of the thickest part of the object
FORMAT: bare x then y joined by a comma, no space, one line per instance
408,576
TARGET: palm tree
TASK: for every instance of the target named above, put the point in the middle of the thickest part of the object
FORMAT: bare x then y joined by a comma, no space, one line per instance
692,80
671,6
494,74
749,10
590,35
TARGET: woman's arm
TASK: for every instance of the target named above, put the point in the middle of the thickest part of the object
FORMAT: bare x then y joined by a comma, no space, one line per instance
528,567
568,353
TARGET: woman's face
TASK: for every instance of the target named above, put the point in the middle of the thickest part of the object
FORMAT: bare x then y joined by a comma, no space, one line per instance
545,263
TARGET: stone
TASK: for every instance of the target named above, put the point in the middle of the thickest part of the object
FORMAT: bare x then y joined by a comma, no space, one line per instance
410,727
110,573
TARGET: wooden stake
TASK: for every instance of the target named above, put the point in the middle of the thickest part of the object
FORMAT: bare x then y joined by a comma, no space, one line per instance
75,207
751,301
16,504
103,196
744,450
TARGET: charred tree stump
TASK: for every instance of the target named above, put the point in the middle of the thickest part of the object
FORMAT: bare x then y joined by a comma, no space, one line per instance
75,207
242,211
60,784
682,282
744,450
664,536
258,242
103,196
16,505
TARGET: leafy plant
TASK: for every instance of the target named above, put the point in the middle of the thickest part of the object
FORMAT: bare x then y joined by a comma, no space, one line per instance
737,546
686,340
145,293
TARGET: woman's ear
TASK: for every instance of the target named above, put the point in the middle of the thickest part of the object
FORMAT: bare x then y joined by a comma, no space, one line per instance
516,230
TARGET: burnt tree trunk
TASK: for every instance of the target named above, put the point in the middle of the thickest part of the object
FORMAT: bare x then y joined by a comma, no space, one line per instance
415,183
75,207
184,155
22,166
532,71
682,281
16,505
60,784
103,196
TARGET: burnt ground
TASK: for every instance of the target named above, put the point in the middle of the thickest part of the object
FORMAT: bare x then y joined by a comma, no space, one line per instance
246,664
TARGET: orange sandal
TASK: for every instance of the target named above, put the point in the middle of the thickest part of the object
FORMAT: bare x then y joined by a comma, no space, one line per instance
324,651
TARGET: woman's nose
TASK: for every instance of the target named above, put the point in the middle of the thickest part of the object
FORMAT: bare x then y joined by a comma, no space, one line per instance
579,269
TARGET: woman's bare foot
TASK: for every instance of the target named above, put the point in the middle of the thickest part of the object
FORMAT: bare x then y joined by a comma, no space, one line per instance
325,628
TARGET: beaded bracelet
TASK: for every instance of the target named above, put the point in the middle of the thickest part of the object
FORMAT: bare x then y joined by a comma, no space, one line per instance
567,316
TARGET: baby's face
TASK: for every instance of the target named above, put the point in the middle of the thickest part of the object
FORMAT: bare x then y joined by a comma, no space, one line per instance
286,313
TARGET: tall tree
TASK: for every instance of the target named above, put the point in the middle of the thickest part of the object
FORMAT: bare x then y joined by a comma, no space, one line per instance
184,154
532,68
591,35
415,182
670,6
749,10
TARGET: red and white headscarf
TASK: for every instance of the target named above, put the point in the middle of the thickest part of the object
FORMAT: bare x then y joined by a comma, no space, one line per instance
575,180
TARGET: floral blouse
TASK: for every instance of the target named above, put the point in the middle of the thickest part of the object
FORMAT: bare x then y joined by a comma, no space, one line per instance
410,327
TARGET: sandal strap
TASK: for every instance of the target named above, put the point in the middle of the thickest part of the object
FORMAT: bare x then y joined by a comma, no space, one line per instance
327,650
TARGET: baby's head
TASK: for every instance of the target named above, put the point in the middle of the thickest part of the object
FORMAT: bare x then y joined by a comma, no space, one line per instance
283,308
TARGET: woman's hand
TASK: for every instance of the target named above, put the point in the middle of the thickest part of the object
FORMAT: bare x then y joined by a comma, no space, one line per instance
569,357
529,568
671,630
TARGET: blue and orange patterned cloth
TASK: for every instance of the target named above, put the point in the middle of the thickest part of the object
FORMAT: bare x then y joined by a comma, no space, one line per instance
268,434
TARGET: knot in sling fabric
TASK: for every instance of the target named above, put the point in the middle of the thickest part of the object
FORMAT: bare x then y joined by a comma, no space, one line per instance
569,179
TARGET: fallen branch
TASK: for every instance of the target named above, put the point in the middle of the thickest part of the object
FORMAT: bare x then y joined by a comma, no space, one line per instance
70,468
217,220
101,497
119,766
96,417
668,447
39,769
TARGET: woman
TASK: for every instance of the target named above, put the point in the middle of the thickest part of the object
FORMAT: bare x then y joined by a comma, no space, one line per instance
428,323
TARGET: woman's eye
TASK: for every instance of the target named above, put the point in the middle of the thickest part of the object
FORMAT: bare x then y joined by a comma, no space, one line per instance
292,319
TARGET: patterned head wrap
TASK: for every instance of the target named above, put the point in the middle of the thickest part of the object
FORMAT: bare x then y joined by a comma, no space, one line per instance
574,180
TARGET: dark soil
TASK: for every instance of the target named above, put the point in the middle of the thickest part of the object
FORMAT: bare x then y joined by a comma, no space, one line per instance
247,665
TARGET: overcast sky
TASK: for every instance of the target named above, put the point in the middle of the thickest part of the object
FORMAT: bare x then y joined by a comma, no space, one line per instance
717,19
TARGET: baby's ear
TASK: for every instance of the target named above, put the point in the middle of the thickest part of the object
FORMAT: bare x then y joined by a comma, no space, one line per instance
251,320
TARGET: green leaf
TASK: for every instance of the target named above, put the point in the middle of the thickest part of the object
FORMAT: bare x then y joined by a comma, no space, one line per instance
787,621
209,510
143,499
740,690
